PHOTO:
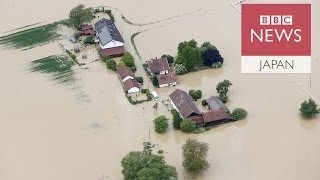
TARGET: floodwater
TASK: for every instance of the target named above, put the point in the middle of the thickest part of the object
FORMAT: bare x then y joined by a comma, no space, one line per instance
48,132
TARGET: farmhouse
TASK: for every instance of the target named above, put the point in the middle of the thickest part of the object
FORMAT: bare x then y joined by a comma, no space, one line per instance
125,73
127,78
110,39
131,86
86,30
216,117
216,104
166,80
158,66
183,103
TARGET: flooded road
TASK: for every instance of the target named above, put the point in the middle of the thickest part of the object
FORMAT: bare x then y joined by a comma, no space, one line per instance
49,131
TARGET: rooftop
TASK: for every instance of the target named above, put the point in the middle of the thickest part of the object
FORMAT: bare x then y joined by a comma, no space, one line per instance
215,116
184,103
130,83
216,104
107,31
158,65
167,78
124,71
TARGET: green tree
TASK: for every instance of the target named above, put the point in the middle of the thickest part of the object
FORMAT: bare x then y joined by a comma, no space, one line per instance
181,46
128,60
188,125
223,87
80,15
194,155
176,119
190,57
89,40
239,114
207,45
195,94
309,109
161,124
169,58
193,43
204,102
111,64
155,81
139,79
224,99
145,165
180,69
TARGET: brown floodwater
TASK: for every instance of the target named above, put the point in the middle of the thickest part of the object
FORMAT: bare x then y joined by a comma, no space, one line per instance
48,131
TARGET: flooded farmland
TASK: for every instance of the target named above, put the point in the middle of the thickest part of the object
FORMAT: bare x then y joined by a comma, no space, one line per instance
81,129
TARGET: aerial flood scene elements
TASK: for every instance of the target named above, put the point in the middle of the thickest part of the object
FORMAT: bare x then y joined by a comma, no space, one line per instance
156,90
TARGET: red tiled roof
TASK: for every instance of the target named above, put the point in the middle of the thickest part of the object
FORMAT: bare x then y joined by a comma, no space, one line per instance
124,71
130,83
215,116
89,32
158,65
113,52
198,119
184,103
86,27
167,78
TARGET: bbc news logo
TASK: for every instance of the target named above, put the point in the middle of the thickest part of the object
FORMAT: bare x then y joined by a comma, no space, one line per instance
276,38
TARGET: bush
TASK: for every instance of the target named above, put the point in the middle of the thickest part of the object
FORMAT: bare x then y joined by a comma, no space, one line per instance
239,114
160,151
188,125
139,79
128,60
198,131
224,99
89,40
204,102
180,69
195,94
216,65
207,128
169,58
111,64
161,124
144,90
309,109
176,119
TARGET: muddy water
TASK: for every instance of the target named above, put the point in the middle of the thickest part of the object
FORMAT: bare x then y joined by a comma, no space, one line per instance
46,132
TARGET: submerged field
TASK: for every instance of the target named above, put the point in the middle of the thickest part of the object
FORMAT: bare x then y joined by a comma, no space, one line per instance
30,38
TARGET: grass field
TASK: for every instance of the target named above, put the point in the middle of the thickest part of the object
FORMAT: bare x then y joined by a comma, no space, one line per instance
31,37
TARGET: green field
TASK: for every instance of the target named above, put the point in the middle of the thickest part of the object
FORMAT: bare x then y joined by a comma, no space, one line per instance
31,37
59,68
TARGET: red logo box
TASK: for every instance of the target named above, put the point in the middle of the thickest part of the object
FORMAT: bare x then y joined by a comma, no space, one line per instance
276,30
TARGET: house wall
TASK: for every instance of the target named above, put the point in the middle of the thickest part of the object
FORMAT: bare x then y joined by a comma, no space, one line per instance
164,72
112,44
133,90
168,84
175,107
